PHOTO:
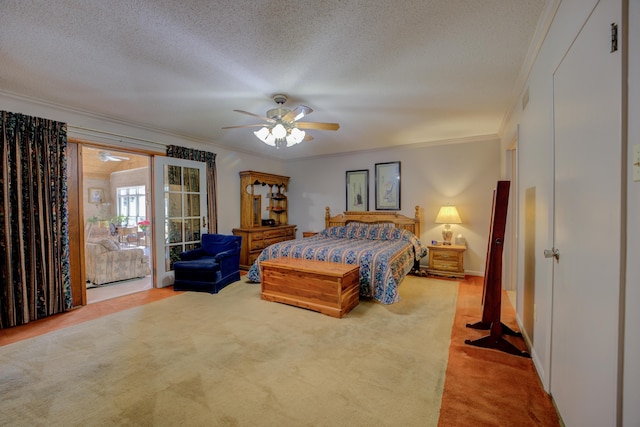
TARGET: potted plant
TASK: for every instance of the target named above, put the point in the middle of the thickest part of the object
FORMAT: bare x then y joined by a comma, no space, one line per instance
120,220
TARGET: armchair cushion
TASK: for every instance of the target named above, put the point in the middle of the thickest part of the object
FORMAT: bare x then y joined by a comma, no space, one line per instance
210,267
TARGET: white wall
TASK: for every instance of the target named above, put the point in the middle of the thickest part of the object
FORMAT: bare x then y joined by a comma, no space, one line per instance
535,155
463,174
631,384
99,210
535,173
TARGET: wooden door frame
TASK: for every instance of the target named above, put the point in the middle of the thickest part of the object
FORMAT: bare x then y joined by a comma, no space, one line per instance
75,192
76,230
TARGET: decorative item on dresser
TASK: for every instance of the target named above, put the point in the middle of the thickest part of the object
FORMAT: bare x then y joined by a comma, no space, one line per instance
255,235
446,261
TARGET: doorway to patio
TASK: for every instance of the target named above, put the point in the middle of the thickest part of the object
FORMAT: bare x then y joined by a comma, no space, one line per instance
117,221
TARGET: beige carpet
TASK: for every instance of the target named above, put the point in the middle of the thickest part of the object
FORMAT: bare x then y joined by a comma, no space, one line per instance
232,359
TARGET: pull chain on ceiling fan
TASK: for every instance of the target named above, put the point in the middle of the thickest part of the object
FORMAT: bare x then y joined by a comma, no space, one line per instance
283,125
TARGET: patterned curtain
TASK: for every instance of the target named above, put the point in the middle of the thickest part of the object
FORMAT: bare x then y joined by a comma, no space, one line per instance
212,181
34,228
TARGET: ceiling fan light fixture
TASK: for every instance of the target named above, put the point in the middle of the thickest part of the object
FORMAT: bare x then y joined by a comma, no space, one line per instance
270,140
282,128
295,137
262,134
265,135
279,131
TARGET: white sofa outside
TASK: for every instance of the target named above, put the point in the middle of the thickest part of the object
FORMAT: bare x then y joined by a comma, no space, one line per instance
106,262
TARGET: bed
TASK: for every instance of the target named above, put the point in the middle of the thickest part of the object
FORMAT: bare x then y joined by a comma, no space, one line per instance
384,244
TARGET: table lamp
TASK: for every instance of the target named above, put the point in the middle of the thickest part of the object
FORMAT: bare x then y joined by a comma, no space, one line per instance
448,215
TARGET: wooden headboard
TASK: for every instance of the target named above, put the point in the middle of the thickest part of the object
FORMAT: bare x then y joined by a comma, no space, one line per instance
375,217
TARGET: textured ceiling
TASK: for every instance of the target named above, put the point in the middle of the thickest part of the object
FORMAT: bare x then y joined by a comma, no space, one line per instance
390,72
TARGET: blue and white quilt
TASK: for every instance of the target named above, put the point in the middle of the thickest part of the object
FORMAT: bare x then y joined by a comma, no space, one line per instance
385,255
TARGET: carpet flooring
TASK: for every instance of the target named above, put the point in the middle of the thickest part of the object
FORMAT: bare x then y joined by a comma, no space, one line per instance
232,359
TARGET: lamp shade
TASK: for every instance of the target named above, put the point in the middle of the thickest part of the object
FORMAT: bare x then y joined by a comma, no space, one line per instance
448,215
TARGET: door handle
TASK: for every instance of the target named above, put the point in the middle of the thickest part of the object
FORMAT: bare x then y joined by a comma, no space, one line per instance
552,253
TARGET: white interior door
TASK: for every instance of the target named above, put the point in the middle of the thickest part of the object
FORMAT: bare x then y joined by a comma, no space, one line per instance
587,224
181,210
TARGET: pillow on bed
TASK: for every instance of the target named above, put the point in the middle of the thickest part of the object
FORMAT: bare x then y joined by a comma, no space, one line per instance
372,224
364,231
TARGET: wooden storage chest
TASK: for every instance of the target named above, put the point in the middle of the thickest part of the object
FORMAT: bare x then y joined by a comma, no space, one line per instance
327,287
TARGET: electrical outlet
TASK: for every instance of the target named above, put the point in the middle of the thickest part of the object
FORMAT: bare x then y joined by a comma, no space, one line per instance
635,159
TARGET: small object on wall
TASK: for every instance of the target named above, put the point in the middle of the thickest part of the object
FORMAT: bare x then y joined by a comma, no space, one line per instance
388,186
357,184
636,163
96,195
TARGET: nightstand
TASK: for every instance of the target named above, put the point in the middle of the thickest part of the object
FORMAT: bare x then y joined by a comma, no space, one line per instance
446,260
309,233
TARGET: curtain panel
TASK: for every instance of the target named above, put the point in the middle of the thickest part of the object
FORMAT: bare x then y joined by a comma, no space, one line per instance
212,181
34,229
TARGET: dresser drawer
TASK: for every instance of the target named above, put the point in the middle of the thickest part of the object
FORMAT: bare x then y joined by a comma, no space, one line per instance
443,255
257,245
446,266
268,242
271,234
255,240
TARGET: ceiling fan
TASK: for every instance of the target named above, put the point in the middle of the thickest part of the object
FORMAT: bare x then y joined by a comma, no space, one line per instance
283,126
106,156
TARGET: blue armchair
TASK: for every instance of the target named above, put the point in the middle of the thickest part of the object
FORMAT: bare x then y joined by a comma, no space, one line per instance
210,267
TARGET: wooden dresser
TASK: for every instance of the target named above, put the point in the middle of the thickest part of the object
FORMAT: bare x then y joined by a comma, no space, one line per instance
254,186
254,240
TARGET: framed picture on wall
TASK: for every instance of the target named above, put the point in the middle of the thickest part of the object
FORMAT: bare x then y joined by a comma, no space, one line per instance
357,186
388,186
96,195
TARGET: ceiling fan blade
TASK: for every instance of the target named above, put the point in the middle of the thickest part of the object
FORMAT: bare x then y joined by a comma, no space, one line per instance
106,156
297,113
244,126
318,126
255,115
